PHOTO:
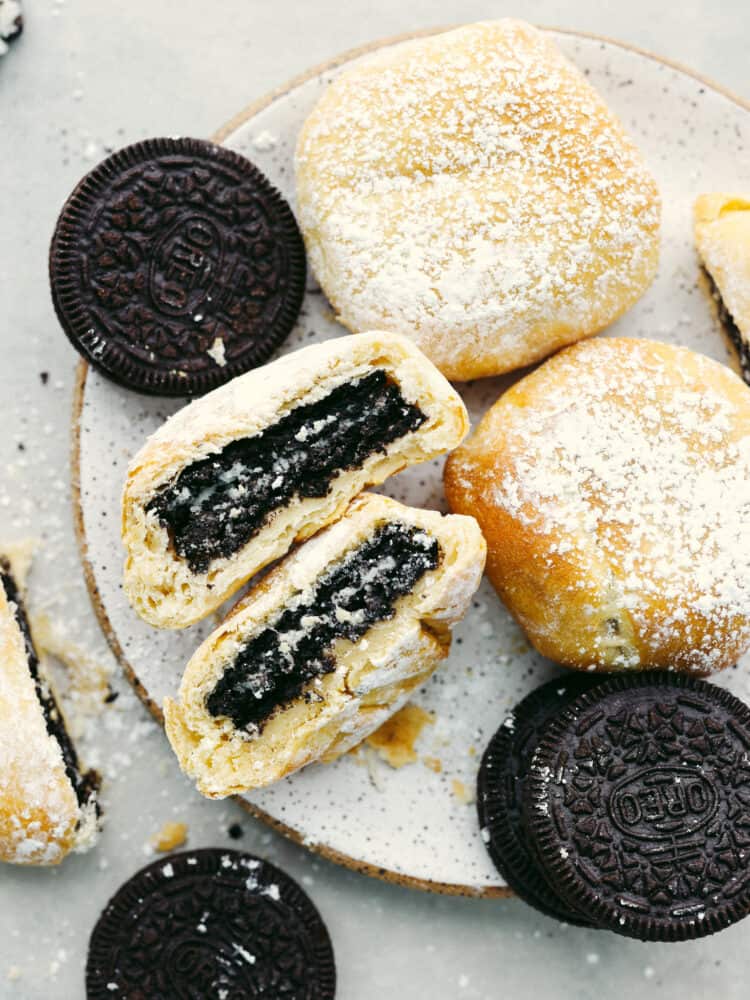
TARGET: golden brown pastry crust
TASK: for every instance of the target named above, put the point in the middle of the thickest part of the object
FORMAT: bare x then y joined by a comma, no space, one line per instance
373,678
613,488
160,586
722,237
473,191
40,817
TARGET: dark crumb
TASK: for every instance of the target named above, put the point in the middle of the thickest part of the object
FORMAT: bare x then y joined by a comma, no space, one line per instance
111,696
44,376
235,831
21,446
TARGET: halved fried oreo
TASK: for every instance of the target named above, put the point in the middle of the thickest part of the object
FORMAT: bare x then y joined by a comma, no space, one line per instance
326,647
48,802
228,484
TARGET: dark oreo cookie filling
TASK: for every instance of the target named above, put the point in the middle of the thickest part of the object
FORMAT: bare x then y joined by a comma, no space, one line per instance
216,505
85,784
295,649
730,327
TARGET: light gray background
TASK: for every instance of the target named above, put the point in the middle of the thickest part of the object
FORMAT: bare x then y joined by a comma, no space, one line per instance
90,75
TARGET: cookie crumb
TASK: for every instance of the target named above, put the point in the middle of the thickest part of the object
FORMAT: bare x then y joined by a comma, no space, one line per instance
433,763
394,740
464,795
170,836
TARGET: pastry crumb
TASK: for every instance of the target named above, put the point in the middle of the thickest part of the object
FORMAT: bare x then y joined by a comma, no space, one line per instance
464,795
170,836
433,763
394,741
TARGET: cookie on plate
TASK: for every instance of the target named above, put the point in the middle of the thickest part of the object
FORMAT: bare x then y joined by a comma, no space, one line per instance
326,647
722,236
229,483
500,794
613,488
175,265
473,191
48,804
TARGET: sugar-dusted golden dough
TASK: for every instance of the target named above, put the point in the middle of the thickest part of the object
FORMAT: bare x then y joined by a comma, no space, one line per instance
41,819
474,192
613,488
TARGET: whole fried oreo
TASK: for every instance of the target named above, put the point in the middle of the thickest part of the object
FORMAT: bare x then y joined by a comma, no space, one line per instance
500,785
210,923
638,800
176,265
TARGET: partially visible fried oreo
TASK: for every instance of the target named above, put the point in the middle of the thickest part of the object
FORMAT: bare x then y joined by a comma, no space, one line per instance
176,265
11,22
500,785
638,800
210,923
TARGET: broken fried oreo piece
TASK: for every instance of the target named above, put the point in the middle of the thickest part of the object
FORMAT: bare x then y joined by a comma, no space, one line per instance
638,800
500,786
11,23
210,923
175,265
722,237
231,482
48,803
326,647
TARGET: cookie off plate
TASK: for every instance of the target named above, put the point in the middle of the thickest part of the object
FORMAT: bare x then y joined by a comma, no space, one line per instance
417,824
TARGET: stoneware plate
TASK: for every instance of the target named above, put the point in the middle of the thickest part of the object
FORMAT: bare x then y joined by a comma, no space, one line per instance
417,825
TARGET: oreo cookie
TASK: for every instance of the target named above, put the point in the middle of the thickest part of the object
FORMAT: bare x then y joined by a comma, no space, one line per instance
175,265
210,923
500,785
638,800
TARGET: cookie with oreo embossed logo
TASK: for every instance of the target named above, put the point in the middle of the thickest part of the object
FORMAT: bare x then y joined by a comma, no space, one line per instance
176,265
500,784
210,923
638,800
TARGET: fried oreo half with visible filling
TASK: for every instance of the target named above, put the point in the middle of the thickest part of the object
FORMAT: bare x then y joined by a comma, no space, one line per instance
326,647
722,237
48,803
228,484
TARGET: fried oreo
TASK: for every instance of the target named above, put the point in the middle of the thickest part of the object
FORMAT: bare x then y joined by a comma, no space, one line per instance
500,785
175,265
210,923
638,801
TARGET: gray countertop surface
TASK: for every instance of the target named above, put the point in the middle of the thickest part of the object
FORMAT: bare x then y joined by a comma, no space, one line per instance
87,77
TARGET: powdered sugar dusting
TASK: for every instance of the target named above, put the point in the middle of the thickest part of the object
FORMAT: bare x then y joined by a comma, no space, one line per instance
645,449
473,189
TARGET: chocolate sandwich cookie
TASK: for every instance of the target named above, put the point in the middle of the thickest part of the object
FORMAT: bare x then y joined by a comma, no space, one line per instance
210,923
500,785
176,265
638,799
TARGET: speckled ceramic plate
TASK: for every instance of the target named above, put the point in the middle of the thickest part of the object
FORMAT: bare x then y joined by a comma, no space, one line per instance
414,825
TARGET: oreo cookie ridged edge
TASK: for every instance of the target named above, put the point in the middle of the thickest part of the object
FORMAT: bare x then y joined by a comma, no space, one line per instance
210,923
638,801
175,265
500,783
